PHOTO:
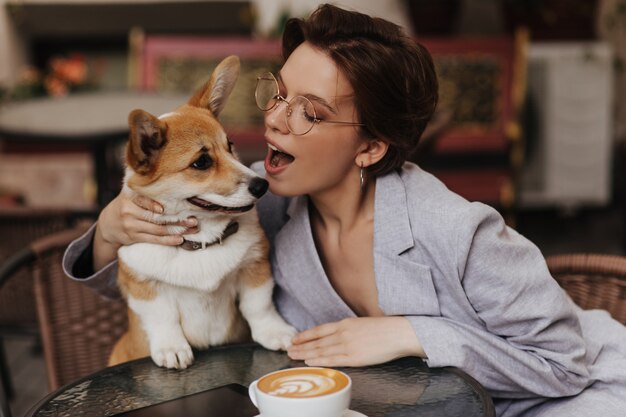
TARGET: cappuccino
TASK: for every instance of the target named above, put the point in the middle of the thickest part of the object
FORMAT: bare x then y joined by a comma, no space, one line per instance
303,382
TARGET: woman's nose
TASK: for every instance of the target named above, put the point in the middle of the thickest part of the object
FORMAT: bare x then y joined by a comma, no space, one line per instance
275,119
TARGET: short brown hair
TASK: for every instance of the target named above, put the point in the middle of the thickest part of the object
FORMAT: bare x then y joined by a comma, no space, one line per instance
393,76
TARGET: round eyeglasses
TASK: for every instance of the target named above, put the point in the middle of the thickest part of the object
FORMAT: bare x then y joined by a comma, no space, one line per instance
300,115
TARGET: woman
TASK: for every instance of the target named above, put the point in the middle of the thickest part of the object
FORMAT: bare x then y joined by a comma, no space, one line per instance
374,258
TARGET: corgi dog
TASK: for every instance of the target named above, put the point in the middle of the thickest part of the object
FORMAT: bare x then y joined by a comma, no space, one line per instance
216,287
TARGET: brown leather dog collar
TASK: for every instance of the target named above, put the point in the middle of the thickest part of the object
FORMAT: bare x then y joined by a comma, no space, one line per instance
231,229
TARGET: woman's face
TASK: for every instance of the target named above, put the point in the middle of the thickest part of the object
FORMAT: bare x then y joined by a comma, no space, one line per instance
323,158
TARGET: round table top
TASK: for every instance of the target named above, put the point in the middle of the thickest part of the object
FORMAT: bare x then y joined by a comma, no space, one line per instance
405,387
81,116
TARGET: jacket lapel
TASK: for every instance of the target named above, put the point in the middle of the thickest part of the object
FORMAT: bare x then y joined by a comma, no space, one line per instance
404,286
301,272
401,283
392,228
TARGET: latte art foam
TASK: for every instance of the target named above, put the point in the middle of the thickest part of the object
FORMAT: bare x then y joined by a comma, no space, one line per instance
302,384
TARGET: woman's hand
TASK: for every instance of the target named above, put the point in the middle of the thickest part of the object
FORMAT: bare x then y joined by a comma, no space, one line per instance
127,220
356,342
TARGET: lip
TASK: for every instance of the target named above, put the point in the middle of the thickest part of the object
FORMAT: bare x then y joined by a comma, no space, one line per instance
272,143
269,169
205,205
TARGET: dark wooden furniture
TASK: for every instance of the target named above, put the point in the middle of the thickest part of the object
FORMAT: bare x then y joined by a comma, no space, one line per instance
482,84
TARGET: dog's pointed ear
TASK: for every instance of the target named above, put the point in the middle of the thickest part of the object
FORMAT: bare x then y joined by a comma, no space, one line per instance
215,92
147,138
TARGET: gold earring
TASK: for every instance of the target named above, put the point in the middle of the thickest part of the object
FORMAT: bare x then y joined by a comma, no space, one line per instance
362,177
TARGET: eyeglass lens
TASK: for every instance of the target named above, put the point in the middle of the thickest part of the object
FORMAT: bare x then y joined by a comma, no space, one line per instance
299,114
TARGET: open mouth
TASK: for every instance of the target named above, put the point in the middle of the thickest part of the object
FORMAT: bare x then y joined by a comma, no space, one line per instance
203,204
278,158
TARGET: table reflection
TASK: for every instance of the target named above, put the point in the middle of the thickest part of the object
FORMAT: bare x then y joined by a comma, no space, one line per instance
405,387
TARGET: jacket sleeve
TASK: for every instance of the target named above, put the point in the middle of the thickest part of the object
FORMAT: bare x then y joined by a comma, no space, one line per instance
77,265
527,341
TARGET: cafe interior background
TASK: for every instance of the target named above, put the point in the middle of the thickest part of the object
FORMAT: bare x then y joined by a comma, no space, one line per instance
532,115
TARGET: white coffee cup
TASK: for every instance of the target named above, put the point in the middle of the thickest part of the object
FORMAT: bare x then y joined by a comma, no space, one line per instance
302,392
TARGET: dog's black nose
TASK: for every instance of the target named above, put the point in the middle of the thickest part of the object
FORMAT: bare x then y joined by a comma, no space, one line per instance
258,187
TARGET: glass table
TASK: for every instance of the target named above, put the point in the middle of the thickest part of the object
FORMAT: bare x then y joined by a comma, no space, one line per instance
402,388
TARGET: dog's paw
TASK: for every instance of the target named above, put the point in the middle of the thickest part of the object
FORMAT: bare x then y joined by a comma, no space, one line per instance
173,357
275,337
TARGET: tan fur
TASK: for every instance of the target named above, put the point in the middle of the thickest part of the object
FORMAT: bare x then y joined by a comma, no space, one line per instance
131,286
239,332
161,154
193,130
260,271
132,345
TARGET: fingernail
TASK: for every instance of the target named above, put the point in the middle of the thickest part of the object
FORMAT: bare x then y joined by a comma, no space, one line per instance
192,221
158,209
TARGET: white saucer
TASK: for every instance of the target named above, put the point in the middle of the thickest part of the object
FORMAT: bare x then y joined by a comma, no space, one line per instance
352,413
348,413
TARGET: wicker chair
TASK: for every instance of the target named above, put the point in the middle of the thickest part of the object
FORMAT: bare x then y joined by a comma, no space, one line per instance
19,226
593,281
78,328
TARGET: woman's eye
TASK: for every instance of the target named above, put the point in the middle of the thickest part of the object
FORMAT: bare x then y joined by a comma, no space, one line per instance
309,117
230,146
203,162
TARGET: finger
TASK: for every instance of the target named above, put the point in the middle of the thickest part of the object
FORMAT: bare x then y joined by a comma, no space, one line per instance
192,230
141,213
154,229
330,361
315,333
317,352
148,204
322,342
149,216
129,208
160,240
188,222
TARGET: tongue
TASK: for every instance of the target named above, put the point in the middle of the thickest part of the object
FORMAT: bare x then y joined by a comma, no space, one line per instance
280,159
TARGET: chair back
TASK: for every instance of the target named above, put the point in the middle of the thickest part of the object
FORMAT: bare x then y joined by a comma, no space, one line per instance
593,281
181,63
19,226
78,327
482,84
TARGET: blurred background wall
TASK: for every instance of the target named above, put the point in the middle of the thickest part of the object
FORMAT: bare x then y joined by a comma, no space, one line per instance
91,39
554,165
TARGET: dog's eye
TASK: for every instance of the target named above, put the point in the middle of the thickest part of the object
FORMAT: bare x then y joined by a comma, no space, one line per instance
203,162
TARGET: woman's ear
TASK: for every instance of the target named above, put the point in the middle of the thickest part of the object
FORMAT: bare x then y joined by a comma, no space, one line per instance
371,151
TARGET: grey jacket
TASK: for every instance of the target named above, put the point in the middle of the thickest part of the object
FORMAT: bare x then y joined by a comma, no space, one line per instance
478,294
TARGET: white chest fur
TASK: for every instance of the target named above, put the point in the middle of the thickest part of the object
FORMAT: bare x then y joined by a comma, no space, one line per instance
201,269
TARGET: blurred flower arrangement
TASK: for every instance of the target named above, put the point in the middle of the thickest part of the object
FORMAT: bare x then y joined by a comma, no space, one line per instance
62,76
